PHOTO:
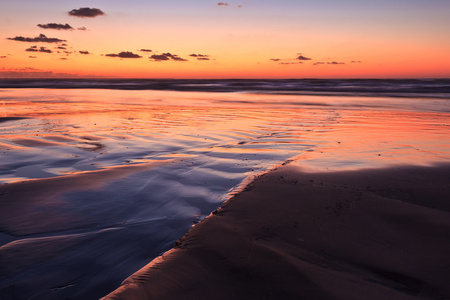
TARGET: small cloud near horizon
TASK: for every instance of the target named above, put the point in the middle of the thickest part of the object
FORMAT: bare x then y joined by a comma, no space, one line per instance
301,57
124,54
166,57
82,28
222,4
291,61
356,61
86,12
3,56
40,49
200,56
146,50
55,26
40,39
335,63
29,72
84,52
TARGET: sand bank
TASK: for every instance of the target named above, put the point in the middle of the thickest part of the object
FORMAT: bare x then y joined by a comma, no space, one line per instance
375,234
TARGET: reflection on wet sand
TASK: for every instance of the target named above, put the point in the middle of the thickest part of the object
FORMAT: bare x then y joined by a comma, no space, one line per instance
98,182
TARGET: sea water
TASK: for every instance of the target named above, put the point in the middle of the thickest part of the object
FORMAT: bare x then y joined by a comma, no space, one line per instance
82,239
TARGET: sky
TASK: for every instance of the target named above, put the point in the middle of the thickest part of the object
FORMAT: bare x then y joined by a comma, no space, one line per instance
229,39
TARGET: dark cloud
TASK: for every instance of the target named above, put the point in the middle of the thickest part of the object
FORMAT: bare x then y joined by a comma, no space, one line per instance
40,49
32,56
64,45
166,56
156,57
356,61
56,26
335,63
146,50
86,12
40,39
84,52
200,56
3,56
291,63
62,48
82,28
63,58
275,59
301,57
222,4
124,55
32,73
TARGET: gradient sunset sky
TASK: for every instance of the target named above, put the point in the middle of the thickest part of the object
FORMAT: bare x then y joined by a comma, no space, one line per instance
229,39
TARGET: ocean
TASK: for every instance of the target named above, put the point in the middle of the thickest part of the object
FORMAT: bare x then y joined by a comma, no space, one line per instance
100,176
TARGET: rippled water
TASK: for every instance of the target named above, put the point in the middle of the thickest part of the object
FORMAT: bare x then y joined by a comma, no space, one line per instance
84,205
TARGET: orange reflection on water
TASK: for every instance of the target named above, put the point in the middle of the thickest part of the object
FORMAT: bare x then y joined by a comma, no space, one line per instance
103,128
382,138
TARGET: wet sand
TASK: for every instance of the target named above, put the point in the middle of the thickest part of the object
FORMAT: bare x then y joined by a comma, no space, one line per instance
292,234
95,184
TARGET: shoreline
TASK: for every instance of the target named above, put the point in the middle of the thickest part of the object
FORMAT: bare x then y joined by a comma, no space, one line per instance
368,234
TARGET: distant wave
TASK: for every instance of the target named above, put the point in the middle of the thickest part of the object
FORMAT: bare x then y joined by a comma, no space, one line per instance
414,88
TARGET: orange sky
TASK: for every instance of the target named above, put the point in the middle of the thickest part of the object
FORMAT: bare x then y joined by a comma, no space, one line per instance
244,39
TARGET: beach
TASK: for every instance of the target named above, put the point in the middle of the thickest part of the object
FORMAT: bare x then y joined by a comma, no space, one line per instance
369,234
218,194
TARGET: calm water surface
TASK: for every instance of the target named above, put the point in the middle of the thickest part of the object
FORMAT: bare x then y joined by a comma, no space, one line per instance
96,183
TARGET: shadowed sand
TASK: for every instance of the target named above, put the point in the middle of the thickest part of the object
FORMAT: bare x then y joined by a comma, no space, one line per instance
374,234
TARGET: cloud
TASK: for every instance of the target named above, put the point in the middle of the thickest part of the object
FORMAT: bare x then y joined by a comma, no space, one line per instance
32,73
63,58
3,56
32,56
291,61
55,26
62,48
84,52
222,4
318,63
356,61
40,39
200,56
36,49
124,55
86,12
335,63
82,28
301,57
145,50
166,56
156,57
